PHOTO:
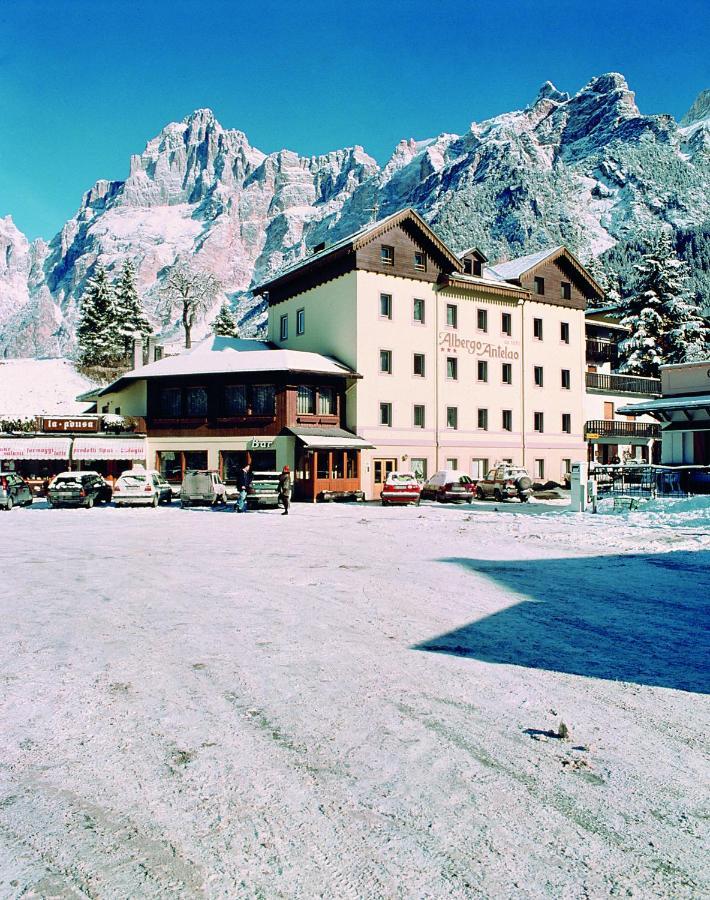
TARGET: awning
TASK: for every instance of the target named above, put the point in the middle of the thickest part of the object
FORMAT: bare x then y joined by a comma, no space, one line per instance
34,448
666,404
108,448
329,439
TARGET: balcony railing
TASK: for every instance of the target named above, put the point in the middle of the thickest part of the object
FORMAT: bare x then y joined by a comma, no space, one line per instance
602,351
606,428
623,384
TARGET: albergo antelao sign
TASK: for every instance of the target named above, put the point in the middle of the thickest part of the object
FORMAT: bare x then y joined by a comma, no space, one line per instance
451,341
54,424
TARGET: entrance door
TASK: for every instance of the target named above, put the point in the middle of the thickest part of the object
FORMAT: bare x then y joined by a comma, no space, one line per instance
381,468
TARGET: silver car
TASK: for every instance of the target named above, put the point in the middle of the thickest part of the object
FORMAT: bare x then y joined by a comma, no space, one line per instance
14,491
201,486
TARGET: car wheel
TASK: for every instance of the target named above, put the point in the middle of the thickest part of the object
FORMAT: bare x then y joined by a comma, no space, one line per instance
524,498
155,502
89,502
385,503
497,496
479,494
9,504
184,504
49,503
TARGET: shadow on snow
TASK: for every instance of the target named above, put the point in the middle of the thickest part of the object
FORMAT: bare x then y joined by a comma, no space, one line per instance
637,618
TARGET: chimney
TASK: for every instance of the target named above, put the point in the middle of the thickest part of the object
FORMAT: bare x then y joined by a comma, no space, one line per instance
151,348
137,350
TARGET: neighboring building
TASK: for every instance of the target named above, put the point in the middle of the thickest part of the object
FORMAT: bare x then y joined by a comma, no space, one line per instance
462,364
227,402
683,411
609,434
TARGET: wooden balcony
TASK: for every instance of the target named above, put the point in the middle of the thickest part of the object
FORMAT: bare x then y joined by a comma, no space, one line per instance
602,351
625,432
623,384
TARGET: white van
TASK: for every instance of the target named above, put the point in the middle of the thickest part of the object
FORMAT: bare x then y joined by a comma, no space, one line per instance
200,486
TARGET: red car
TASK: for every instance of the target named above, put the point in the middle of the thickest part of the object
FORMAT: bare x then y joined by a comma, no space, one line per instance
401,488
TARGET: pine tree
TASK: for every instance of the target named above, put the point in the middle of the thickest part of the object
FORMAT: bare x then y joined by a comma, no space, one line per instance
666,327
225,323
607,281
130,316
97,333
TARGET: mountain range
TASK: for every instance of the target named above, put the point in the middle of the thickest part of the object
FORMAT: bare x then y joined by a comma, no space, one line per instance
588,171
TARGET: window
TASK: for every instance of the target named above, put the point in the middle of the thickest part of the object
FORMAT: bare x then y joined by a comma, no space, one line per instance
565,379
479,467
482,370
565,290
507,420
566,466
564,332
196,401
539,422
483,419
452,368
234,400
477,267
420,260
386,414
418,311
419,367
306,400
452,463
482,319
385,306
452,417
467,267
452,315
283,329
263,399
567,423
419,468
386,362
537,329
506,324
539,285
506,373
300,321
170,402
540,469
538,376
326,402
387,255
419,416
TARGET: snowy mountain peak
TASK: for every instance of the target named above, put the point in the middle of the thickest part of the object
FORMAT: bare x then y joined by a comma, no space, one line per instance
699,111
549,92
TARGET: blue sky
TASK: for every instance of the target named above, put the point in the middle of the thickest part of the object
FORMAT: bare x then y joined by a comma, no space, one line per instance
85,83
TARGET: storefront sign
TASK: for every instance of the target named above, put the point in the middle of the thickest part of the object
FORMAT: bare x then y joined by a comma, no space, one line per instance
61,424
106,448
451,341
34,448
261,444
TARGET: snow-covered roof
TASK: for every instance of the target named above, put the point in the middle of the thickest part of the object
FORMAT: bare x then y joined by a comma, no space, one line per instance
217,355
34,387
517,267
488,280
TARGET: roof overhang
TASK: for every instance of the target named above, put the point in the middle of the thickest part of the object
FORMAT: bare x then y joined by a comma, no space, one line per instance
329,439
463,282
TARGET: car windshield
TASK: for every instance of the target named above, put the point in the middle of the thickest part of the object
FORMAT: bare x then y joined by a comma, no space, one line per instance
67,479
132,480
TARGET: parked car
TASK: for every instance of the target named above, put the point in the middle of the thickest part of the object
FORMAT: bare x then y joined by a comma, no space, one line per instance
78,489
264,490
504,483
14,491
401,488
449,486
202,486
138,487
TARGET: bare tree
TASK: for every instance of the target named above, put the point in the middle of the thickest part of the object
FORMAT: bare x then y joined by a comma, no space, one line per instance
189,290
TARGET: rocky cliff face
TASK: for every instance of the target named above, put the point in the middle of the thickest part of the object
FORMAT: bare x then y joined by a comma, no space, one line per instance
587,171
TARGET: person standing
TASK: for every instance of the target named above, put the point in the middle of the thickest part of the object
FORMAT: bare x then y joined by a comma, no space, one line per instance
244,479
285,489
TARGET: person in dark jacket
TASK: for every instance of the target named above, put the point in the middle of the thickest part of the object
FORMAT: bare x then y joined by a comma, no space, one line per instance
285,489
244,479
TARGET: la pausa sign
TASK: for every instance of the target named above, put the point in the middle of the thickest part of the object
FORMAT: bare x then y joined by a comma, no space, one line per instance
450,341
60,424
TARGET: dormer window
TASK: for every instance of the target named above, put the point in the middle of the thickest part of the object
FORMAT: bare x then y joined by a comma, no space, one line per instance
467,266
420,260
477,267
387,255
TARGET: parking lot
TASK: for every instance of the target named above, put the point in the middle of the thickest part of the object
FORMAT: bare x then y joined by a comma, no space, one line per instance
353,701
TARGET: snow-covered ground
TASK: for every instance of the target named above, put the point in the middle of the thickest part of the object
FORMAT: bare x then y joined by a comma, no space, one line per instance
354,702
35,387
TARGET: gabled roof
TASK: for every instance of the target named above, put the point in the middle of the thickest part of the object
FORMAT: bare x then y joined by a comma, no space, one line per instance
223,355
359,239
515,269
474,251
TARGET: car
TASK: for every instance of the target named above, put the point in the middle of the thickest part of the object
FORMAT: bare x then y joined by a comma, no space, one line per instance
263,490
401,488
449,486
504,483
78,489
138,487
14,491
202,486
